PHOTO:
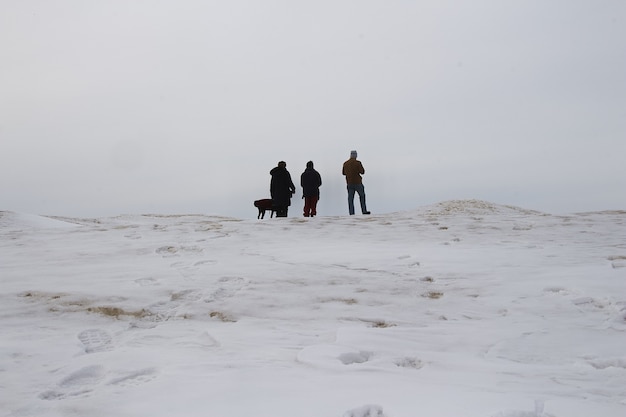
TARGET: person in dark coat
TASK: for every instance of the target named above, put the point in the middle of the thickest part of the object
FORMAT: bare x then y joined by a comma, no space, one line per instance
281,189
310,180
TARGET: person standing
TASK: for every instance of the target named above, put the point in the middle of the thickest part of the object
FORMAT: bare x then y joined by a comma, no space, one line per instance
353,169
281,189
310,180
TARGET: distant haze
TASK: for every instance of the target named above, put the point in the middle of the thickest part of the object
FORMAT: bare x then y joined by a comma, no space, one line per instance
120,106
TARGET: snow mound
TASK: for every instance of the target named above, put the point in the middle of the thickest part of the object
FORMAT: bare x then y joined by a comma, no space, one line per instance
476,207
9,219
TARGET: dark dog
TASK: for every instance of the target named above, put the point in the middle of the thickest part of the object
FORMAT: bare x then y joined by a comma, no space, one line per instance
264,205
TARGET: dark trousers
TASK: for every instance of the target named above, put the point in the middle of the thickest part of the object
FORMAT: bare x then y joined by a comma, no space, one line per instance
310,206
360,190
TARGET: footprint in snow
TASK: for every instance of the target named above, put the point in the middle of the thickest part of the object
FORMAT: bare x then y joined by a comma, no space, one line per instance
617,261
327,356
190,270
89,375
618,363
556,290
95,340
77,384
205,262
147,281
170,251
227,287
589,302
134,378
349,358
84,381
409,362
167,251
370,410
133,236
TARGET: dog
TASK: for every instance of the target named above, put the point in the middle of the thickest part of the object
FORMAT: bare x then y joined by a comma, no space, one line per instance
263,205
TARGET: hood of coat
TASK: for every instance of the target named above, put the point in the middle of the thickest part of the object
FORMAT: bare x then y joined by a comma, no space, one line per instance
277,169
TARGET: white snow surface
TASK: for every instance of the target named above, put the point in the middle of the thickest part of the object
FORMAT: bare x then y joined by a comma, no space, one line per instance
460,309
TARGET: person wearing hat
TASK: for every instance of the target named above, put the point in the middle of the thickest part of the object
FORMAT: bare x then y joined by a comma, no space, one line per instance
281,189
353,169
310,180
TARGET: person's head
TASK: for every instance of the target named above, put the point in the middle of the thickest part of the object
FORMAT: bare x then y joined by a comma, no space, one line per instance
309,164
282,164
353,154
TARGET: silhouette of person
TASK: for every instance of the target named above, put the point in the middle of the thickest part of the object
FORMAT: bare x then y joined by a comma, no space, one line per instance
353,169
281,189
310,180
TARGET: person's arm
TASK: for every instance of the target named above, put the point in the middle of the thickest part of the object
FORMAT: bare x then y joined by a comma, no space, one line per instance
292,187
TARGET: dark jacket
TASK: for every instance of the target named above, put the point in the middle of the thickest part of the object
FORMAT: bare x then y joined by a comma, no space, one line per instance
353,169
281,187
310,180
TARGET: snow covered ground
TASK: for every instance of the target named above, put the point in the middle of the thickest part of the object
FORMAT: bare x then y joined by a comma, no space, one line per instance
461,309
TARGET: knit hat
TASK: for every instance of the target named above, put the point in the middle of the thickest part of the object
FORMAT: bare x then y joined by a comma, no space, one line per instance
352,154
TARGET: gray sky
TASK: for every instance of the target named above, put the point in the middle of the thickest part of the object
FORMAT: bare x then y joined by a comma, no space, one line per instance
121,106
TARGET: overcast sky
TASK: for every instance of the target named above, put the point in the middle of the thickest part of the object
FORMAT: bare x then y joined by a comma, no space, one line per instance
126,106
